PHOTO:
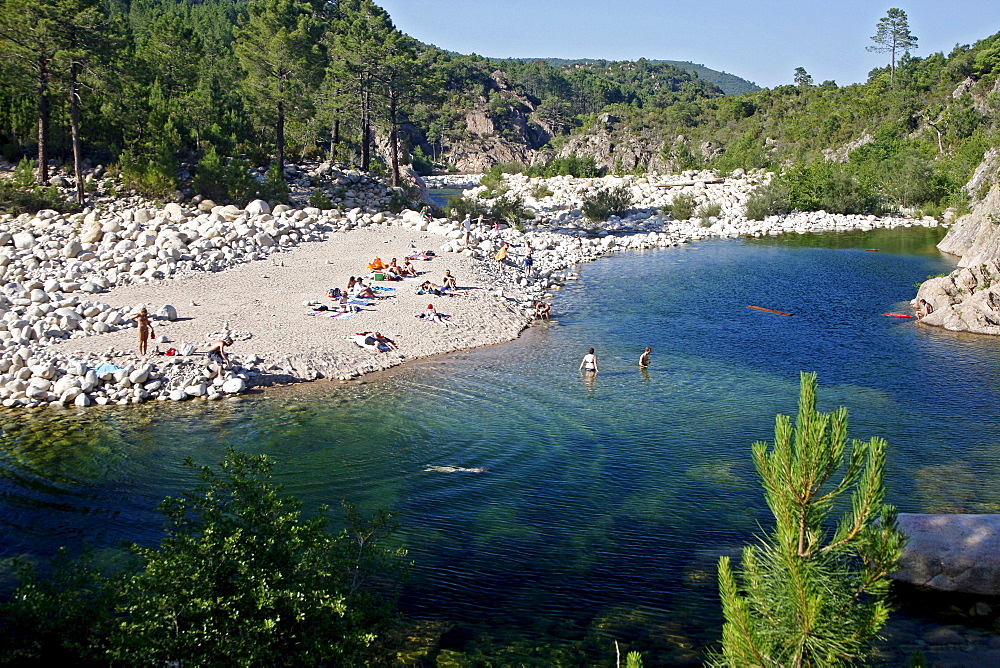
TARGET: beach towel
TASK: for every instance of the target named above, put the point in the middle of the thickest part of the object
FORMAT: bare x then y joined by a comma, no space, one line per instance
379,287
331,314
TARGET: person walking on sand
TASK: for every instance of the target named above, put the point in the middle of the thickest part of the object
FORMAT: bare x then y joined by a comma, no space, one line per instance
644,357
589,362
501,255
467,224
145,329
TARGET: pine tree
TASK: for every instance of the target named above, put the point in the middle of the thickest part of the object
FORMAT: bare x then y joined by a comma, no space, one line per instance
812,594
279,47
893,36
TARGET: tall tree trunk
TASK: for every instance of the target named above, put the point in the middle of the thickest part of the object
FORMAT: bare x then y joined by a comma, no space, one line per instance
74,124
280,139
393,139
334,137
43,121
366,130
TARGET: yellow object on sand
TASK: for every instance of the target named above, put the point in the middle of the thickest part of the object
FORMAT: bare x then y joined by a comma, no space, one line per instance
376,264
502,253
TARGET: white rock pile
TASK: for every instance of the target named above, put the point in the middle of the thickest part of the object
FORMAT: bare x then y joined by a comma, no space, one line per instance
54,266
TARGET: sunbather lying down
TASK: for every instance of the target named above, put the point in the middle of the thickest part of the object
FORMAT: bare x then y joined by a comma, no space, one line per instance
454,469
432,315
374,341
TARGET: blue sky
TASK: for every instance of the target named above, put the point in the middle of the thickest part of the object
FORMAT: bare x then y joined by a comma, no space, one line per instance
760,41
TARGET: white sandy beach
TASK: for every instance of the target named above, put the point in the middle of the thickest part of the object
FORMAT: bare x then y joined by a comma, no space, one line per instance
265,300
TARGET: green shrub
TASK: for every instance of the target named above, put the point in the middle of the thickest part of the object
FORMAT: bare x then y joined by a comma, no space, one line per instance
605,203
421,163
241,577
827,186
459,207
681,207
274,188
509,208
747,152
708,210
19,193
222,179
398,200
319,199
540,190
493,182
769,200
154,175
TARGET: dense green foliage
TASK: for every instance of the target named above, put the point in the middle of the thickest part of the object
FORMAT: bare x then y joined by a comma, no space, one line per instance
603,204
729,84
813,592
241,578
681,207
167,88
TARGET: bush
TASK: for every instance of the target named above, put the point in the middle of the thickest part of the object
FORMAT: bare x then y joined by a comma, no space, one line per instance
274,188
493,182
19,194
241,578
509,208
421,163
708,210
827,186
769,200
606,203
155,176
222,179
540,190
319,199
681,207
459,207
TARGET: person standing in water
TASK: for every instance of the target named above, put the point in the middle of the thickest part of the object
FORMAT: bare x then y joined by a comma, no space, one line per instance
589,362
644,357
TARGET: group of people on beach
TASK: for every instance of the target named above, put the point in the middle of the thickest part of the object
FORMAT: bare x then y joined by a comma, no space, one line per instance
589,361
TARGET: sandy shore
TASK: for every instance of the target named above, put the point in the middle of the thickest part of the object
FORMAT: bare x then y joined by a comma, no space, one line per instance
261,303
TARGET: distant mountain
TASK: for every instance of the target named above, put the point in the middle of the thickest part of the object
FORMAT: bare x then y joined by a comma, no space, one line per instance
729,83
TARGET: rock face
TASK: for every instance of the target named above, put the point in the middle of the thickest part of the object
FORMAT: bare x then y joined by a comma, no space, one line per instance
955,553
968,299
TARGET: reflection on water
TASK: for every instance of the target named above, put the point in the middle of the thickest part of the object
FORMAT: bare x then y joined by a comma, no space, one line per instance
606,498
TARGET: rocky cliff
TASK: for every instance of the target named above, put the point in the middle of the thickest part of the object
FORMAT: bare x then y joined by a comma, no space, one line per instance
968,299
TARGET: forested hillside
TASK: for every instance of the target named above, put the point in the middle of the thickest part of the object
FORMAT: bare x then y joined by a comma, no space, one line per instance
185,96
730,84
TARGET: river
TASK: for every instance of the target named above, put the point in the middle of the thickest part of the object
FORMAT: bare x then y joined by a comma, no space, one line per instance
605,501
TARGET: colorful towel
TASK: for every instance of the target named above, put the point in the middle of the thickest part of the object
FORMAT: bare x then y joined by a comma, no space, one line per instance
331,314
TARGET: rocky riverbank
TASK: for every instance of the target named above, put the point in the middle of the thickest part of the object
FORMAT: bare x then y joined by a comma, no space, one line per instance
71,283
968,299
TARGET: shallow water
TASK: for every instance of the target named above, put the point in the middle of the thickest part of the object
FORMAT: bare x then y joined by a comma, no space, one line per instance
606,500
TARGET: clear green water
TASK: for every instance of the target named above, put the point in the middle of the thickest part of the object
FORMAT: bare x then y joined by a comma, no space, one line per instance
606,502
